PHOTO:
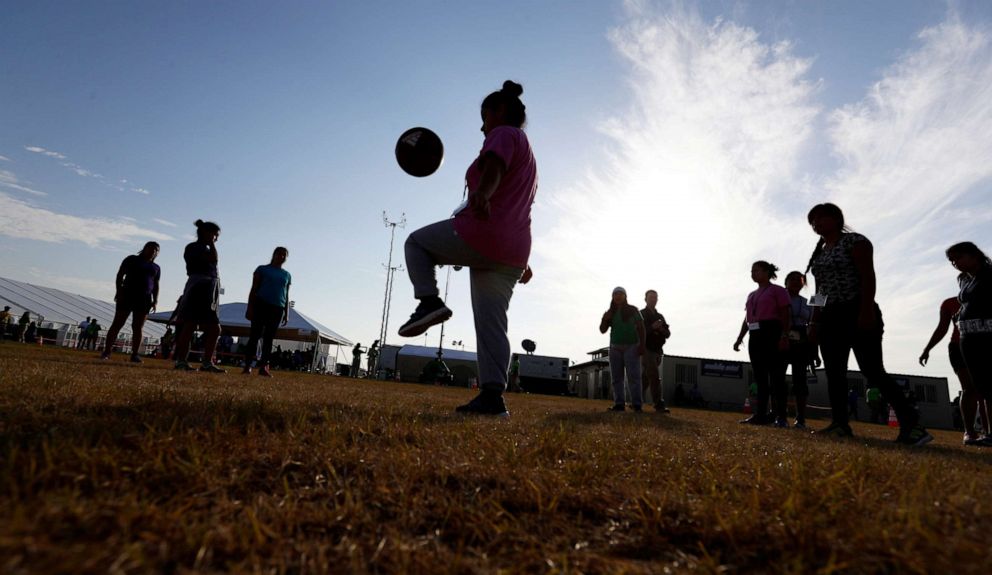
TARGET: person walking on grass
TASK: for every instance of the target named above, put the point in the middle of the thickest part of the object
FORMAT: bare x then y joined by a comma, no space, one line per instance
846,318
657,333
201,297
268,307
971,402
627,346
136,295
766,319
975,319
801,355
489,234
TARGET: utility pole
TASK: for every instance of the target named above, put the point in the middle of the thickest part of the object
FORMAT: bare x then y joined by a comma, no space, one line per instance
390,272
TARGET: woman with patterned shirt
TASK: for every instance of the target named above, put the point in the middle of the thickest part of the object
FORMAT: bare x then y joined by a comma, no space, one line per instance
975,317
846,318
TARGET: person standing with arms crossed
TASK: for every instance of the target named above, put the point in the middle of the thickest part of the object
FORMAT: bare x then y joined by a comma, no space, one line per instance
136,295
268,306
657,333
491,236
846,318
766,321
201,297
627,339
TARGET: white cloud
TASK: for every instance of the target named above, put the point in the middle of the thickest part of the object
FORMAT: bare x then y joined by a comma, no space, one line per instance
20,219
691,192
4,159
9,180
164,222
81,171
40,150
703,177
916,174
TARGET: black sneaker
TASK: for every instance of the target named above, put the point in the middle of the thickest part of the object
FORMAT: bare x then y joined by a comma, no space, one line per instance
836,430
135,358
617,407
915,436
636,408
431,311
486,403
756,420
660,408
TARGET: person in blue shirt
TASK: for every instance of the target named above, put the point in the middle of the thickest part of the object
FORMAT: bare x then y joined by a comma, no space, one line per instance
268,306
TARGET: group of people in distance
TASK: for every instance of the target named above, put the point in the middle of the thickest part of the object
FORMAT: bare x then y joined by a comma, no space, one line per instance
137,295
25,330
637,340
841,317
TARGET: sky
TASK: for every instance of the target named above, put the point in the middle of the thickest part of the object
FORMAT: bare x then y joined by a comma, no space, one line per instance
677,142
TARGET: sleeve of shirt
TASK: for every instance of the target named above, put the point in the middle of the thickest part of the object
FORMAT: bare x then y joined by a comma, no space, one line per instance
501,142
782,297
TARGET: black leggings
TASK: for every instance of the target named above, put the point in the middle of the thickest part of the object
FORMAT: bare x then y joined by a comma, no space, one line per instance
839,335
977,351
265,322
768,364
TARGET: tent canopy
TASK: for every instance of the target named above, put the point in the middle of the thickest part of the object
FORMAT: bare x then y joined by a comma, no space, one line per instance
299,327
61,307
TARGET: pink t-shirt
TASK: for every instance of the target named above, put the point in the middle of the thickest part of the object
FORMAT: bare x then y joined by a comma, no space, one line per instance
763,304
505,236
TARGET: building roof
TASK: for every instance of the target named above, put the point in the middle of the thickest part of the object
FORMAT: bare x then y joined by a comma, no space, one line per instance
298,328
60,307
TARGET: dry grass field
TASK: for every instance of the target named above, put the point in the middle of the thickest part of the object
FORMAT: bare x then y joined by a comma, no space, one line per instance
112,467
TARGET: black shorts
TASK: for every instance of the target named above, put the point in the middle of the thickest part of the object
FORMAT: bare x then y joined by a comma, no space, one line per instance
954,353
199,304
137,304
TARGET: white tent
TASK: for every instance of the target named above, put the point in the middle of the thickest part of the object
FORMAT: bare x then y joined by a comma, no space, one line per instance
62,310
299,327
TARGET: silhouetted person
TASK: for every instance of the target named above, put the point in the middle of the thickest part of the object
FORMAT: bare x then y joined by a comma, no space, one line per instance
975,317
201,297
801,355
627,337
846,318
136,295
971,401
766,321
656,333
491,236
356,359
5,319
268,306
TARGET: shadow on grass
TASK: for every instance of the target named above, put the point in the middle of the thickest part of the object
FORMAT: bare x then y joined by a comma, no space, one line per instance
978,455
643,419
92,423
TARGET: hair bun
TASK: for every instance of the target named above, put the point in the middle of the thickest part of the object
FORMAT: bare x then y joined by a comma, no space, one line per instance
512,88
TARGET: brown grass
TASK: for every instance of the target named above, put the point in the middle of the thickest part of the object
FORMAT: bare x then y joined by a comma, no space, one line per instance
109,467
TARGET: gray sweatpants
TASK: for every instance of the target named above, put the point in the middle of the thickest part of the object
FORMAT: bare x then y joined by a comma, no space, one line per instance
492,286
624,358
